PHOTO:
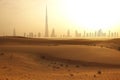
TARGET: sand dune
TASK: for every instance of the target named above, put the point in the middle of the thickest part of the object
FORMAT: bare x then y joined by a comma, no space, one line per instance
42,59
108,43
71,52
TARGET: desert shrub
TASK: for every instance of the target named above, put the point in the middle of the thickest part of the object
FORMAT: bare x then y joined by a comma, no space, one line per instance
66,65
77,66
99,72
42,57
61,65
119,48
94,76
71,75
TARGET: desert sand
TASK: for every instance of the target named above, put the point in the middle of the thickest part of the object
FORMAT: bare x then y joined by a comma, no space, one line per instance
44,59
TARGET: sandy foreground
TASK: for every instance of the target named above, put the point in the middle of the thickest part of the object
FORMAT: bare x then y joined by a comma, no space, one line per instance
58,62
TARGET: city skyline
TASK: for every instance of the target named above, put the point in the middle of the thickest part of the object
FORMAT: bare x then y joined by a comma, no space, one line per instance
29,16
77,34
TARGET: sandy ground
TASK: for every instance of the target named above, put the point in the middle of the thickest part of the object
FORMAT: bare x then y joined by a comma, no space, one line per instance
59,62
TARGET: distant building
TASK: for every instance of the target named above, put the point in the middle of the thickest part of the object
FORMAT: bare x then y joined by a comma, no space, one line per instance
100,33
39,35
46,24
53,33
68,33
14,32
24,34
31,35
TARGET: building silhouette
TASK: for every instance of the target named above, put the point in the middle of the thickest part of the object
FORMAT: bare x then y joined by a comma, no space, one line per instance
53,33
39,34
14,32
31,35
68,33
24,34
100,33
46,24
95,34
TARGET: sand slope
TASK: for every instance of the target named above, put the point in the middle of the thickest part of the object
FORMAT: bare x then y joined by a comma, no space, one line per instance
71,52
19,61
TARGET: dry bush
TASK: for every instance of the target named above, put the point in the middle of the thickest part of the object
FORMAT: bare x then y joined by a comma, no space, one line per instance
118,48
94,76
99,72
71,75
61,65
66,65
43,57
77,66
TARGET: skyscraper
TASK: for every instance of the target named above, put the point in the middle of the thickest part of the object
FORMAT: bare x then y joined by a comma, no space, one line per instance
24,34
39,35
68,33
46,24
53,33
100,33
31,35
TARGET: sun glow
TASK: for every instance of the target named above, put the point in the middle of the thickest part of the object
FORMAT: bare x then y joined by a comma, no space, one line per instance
91,14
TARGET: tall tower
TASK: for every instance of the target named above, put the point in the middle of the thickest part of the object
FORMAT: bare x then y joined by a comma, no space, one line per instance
46,24
14,32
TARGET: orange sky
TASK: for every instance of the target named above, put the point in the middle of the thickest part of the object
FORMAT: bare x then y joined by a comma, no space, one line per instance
29,15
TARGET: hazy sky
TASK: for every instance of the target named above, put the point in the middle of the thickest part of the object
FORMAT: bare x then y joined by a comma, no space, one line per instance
29,15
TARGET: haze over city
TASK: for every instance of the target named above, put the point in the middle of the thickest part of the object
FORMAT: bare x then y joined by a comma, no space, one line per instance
63,15
59,40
